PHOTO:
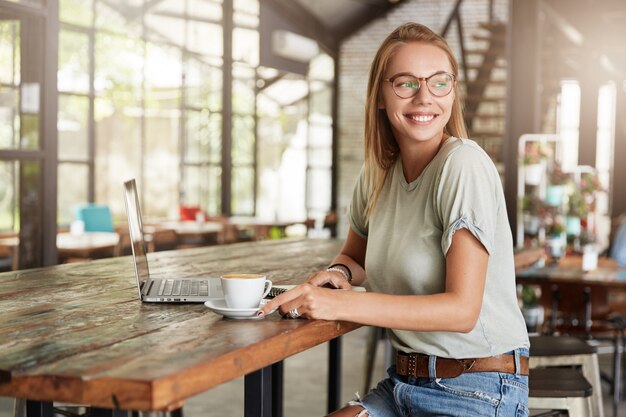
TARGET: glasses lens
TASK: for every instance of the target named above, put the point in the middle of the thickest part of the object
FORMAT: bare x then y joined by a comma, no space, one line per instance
406,86
440,84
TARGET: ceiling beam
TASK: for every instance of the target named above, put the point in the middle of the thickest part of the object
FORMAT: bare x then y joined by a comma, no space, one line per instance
309,25
371,13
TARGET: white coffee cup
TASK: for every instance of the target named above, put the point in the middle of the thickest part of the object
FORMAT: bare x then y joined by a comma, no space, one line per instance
244,291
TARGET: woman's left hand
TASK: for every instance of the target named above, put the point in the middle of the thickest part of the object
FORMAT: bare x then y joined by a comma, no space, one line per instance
306,301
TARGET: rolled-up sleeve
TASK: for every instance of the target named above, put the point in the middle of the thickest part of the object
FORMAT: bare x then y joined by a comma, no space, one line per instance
466,197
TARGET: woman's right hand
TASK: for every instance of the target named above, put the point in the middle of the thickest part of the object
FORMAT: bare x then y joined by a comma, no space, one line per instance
331,279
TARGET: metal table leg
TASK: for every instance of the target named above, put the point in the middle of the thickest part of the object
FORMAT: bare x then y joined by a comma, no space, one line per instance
258,393
334,374
39,409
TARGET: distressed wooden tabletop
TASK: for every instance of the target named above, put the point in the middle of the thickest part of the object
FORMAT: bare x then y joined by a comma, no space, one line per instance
63,339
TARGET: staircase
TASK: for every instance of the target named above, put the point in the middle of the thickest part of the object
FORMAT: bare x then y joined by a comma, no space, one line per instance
485,88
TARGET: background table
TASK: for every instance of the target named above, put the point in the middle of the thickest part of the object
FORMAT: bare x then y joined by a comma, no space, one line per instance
77,332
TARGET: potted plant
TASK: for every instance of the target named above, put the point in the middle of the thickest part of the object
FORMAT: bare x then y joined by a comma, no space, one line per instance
576,210
531,209
557,179
531,310
534,162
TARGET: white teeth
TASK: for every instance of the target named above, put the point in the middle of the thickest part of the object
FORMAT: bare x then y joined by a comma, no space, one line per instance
422,118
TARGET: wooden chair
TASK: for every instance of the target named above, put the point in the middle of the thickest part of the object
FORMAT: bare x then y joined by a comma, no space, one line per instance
560,389
553,351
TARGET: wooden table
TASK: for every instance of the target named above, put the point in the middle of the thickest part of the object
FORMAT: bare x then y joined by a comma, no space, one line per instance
77,332
568,276
87,244
193,233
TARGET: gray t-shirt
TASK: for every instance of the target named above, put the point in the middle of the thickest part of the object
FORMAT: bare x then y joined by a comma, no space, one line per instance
410,232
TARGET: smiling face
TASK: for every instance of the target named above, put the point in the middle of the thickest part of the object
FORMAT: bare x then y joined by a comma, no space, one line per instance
423,117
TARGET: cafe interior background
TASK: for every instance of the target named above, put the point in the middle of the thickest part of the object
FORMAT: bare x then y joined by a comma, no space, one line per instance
250,112
253,109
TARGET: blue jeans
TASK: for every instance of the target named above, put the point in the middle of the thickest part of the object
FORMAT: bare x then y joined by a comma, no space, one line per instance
479,394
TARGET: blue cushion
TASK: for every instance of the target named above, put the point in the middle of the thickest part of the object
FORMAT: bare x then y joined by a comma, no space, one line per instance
97,217
618,247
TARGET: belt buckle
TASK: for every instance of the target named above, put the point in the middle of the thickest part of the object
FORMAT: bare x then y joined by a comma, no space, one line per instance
461,366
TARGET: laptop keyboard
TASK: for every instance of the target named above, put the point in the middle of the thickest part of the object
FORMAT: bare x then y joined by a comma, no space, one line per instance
184,287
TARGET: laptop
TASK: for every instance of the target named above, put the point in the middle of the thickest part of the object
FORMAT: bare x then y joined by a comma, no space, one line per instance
162,289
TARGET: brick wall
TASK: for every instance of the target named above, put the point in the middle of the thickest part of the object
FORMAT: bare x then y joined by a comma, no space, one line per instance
356,55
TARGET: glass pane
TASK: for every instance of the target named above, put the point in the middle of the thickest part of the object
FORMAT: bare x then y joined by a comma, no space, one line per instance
8,196
120,16
321,102
247,6
320,157
9,117
213,180
30,207
118,149
206,9
204,38
322,67
9,52
243,140
161,172
197,144
215,138
202,186
320,136
246,46
203,85
78,12
243,191
167,29
171,7
246,20
163,79
119,67
73,74
72,190
72,126
243,96
30,132
319,186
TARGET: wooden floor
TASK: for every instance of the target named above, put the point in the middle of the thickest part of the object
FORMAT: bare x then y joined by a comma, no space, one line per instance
305,375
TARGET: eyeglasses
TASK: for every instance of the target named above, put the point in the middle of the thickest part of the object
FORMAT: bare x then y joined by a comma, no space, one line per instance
407,85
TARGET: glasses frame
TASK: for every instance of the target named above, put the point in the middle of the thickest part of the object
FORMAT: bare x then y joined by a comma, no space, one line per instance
419,83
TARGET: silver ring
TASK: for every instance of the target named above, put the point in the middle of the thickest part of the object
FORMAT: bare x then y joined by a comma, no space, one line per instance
293,313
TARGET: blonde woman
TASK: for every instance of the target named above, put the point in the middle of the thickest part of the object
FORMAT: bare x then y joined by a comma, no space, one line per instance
428,227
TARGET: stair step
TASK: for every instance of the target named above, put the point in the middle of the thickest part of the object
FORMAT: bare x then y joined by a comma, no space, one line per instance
486,135
493,27
485,99
499,51
476,115
498,65
485,82
499,38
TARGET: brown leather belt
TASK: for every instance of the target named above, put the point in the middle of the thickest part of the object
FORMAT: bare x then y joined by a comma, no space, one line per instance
416,364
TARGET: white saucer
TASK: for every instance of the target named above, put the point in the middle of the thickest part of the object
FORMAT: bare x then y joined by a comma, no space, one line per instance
219,306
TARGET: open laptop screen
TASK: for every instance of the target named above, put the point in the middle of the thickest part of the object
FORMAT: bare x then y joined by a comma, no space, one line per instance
135,227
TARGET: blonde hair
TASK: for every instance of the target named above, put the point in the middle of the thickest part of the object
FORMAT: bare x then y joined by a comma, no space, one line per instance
381,148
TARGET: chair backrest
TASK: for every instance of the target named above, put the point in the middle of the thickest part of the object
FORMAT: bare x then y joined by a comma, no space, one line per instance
190,212
97,217
618,244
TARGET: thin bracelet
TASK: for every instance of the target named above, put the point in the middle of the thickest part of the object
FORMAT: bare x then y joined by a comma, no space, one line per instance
347,273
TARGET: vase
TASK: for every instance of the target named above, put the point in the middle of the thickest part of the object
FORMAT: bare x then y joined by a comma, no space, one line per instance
554,195
533,174
531,223
533,316
572,225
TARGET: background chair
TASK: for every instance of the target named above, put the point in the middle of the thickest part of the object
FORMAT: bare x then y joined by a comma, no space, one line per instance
96,217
